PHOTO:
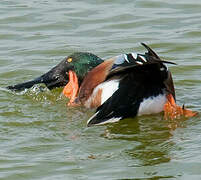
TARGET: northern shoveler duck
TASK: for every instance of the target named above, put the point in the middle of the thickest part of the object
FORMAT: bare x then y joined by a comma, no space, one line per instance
126,86
79,62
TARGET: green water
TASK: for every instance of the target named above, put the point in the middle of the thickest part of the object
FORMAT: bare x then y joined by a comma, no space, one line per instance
42,139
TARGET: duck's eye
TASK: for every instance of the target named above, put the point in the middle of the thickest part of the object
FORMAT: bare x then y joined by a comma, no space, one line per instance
69,60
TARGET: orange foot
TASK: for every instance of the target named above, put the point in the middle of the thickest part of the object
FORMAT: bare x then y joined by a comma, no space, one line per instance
173,111
71,89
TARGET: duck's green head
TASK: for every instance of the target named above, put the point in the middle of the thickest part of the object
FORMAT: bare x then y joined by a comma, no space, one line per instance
58,76
80,62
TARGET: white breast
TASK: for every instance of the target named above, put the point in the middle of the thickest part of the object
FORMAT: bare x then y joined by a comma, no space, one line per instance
107,88
152,105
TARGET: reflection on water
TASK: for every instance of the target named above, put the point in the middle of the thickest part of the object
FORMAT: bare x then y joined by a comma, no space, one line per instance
150,136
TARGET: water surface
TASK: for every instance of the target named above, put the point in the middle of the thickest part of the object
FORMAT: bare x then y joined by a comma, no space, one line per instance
42,139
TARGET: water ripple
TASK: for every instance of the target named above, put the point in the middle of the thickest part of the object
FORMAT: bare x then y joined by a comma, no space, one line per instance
43,139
